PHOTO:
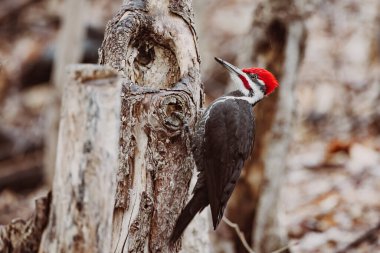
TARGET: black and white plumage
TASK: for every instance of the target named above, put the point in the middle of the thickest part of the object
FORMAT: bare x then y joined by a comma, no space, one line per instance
222,142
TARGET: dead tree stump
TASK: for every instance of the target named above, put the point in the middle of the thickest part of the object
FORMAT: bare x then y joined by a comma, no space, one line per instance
153,44
84,184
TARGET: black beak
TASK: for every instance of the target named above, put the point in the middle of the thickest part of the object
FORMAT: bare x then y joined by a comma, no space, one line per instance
230,67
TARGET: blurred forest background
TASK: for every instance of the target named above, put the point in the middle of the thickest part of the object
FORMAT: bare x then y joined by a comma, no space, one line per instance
331,194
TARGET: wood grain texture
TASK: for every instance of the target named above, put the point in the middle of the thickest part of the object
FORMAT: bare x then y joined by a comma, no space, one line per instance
153,45
84,183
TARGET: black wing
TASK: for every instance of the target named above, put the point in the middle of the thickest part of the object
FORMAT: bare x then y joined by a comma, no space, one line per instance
229,133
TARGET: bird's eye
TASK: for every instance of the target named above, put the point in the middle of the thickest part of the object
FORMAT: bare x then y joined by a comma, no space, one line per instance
254,76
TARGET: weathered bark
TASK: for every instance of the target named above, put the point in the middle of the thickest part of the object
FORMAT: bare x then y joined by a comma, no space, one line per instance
24,236
277,43
84,183
69,51
153,44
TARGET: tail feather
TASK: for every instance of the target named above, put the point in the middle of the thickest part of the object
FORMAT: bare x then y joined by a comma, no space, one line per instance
198,202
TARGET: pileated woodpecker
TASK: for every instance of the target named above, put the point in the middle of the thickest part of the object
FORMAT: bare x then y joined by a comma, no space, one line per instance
222,141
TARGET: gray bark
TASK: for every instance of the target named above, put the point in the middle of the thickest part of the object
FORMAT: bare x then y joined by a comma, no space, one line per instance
84,183
153,44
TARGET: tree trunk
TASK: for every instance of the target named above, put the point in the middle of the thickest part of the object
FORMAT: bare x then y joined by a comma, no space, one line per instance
84,183
69,51
153,44
269,235
276,43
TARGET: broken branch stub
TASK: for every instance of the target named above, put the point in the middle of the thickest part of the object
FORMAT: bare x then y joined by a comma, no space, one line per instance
153,45
24,236
84,183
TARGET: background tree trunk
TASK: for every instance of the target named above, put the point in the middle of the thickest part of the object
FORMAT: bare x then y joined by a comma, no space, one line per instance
153,44
84,183
277,42
269,235
69,51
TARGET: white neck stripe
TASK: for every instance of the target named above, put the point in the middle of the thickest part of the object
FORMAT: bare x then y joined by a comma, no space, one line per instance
251,100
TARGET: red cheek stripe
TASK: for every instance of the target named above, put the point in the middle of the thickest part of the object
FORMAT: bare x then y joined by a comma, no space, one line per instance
245,82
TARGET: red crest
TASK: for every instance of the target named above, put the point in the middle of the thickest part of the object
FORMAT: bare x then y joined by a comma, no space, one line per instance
267,77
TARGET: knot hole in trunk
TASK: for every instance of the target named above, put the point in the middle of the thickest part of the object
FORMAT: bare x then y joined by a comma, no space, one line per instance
154,65
176,112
